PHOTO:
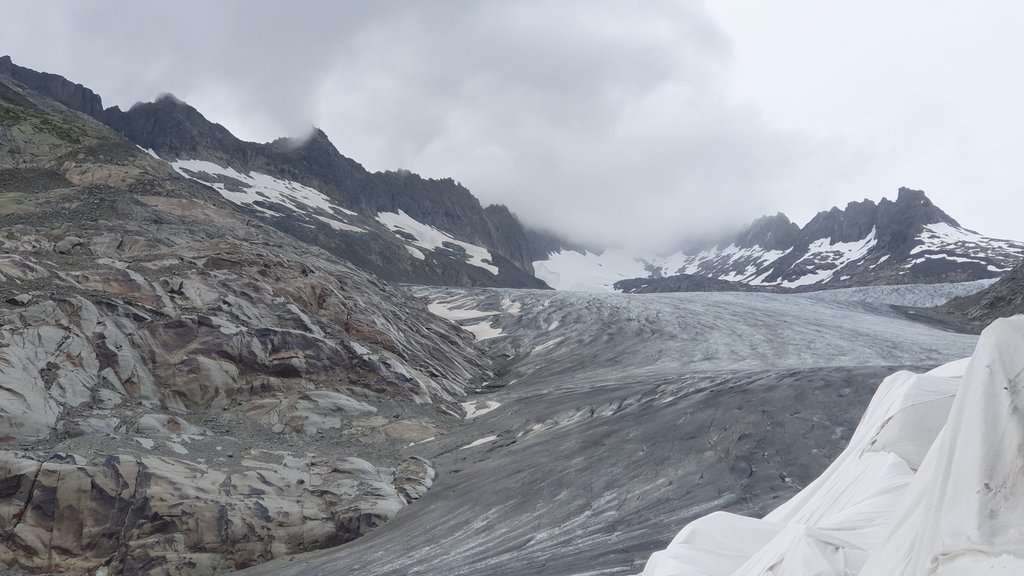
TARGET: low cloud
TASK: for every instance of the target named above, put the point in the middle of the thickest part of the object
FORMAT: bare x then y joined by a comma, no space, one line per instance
608,122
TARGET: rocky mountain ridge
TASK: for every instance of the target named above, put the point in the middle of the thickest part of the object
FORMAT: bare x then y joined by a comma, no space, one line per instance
408,229
907,240
904,241
175,131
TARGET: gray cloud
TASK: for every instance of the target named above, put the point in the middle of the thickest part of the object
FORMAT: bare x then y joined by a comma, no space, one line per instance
613,121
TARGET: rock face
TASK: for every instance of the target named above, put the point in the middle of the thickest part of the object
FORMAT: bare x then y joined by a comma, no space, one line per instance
74,96
173,130
184,390
125,514
771,232
1003,299
687,283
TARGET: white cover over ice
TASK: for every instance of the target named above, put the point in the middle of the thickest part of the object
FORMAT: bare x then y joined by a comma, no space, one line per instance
962,514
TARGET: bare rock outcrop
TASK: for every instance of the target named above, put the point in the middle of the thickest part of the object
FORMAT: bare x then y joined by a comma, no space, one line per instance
184,390
114,514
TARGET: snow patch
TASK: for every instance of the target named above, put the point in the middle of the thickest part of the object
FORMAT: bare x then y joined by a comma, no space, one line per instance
510,307
430,238
247,189
339,225
448,311
829,258
416,253
483,330
713,261
479,442
150,152
473,410
548,344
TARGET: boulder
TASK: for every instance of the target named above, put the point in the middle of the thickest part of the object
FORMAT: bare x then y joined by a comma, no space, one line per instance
68,244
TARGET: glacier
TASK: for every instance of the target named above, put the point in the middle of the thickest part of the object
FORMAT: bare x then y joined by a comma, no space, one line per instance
618,419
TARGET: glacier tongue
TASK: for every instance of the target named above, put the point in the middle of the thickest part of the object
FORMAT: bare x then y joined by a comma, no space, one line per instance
961,514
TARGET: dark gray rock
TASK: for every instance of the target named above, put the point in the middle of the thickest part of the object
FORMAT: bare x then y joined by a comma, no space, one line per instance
771,232
689,283
67,244
1003,299
74,96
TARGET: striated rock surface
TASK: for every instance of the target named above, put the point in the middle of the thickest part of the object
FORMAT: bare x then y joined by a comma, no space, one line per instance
184,390
122,514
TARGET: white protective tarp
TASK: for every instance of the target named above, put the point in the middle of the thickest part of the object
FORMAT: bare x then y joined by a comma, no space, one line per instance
962,514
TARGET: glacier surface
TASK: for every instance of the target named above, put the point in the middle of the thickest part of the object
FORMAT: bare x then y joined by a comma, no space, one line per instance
618,419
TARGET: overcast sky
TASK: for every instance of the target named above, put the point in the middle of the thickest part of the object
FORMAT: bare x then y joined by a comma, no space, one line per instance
632,122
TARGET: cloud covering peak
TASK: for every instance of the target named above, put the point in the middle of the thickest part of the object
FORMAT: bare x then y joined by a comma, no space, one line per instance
609,122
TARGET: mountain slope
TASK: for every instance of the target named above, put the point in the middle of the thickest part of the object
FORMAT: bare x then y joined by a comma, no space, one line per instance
909,240
184,390
354,197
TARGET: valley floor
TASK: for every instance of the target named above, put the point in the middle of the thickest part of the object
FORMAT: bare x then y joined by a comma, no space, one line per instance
620,418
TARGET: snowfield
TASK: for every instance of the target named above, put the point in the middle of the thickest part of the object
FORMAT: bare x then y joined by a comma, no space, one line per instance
587,272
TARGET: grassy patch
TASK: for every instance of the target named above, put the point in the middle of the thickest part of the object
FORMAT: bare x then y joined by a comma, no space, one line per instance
11,115
9,203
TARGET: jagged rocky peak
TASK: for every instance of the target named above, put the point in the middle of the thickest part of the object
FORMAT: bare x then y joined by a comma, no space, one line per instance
894,222
902,241
316,139
850,224
901,221
174,129
913,207
772,232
